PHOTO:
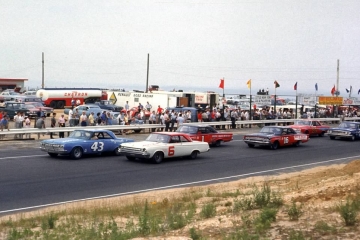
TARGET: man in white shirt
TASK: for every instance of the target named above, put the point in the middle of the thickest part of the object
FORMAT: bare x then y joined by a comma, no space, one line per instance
71,117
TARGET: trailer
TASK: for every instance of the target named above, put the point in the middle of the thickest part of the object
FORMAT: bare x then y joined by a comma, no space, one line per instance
61,97
164,98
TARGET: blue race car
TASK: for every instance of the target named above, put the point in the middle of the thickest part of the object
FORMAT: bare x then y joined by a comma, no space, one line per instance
86,141
349,130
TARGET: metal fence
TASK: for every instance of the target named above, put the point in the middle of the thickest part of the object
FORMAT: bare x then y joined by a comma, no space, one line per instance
151,127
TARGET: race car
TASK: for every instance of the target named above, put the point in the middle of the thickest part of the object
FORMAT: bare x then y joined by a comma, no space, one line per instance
160,145
349,130
311,127
205,133
275,136
87,141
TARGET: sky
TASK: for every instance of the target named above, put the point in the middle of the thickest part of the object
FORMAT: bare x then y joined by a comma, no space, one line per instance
191,44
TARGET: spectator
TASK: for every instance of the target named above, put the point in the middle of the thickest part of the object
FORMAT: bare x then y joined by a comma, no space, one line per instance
61,123
40,124
52,123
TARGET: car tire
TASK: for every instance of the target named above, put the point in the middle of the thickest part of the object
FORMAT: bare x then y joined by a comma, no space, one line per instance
116,152
130,158
137,130
53,154
53,104
158,157
332,137
60,104
250,145
321,134
297,144
194,154
217,143
275,145
76,153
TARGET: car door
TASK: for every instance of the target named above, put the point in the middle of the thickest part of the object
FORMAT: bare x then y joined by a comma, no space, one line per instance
288,137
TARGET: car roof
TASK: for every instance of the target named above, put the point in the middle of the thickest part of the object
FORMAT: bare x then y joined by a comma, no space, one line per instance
278,127
170,133
92,130
196,125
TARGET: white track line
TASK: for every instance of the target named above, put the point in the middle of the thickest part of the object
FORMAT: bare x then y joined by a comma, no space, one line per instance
178,185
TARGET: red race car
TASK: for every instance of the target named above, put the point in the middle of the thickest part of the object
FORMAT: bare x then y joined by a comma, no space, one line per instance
275,136
134,110
311,127
205,133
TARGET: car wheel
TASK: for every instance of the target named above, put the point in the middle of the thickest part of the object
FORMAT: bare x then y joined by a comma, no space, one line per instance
321,134
116,152
130,158
60,104
275,145
53,154
76,153
137,130
250,145
297,144
194,154
332,137
53,104
158,157
217,143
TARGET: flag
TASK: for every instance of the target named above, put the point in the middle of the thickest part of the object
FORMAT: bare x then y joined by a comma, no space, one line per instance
347,90
249,83
295,86
276,84
350,89
333,91
222,83
359,92
316,87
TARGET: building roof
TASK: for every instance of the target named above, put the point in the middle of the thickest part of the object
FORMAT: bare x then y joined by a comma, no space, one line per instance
13,79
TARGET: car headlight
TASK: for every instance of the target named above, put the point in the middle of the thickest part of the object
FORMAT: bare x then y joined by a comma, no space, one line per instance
144,149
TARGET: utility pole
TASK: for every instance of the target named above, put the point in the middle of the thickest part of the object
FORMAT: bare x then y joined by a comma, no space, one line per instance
43,79
147,76
337,92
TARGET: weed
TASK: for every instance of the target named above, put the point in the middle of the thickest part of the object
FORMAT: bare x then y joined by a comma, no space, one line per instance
48,222
294,212
144,227
348,212
228,204
323,228
264,220
242,235
208,210
296,235
194,234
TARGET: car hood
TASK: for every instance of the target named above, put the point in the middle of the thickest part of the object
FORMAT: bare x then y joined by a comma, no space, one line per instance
260,135
142,144
342,129
62,140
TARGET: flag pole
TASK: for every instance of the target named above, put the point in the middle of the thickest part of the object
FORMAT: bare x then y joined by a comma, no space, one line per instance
275,98
315,102
250,106
296,100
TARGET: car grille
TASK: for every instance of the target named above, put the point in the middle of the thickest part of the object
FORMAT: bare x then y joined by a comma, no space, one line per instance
52,147
257,139
131,150
340,132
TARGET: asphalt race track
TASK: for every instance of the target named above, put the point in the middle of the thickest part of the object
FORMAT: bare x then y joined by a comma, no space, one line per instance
29,178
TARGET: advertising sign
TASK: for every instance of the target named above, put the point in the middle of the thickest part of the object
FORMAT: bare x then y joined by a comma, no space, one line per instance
262,99
330,100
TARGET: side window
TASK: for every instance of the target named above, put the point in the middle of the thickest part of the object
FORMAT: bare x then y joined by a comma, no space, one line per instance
107,136
183,139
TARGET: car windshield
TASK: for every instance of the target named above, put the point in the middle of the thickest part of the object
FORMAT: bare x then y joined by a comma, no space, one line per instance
348,125
161,138
187,129
302,123
270,130
38,104
80,134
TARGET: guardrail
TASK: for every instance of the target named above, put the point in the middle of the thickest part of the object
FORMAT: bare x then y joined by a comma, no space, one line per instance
150,127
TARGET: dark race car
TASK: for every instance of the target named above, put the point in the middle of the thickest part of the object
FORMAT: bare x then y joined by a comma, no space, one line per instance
349,130
275,136
205,133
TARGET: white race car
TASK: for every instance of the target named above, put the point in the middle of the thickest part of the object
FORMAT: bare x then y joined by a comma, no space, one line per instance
160,145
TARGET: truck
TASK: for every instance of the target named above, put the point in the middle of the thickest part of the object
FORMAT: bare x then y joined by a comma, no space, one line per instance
58,98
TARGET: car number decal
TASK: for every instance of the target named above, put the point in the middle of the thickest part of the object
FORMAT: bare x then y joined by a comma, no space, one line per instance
171,151
97,146
286,140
